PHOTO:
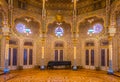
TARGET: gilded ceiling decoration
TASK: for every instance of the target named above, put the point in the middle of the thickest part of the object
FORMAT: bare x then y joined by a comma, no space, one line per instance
63,6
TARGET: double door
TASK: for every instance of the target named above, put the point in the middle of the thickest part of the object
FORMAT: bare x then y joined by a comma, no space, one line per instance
89,59
28,58
104,58
58,54
12,58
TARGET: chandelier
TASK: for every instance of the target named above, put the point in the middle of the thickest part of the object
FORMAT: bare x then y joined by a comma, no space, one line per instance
27,31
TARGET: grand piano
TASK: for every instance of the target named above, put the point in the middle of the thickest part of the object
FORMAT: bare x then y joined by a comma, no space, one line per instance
51,64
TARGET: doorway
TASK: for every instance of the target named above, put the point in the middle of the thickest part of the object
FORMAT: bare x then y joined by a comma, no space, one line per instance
28,55
104,54
89,55
89,59
12,58
58,52
28,58
13,55
104,58
58,55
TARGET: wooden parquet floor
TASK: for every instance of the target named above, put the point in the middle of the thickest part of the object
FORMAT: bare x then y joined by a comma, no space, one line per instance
82,75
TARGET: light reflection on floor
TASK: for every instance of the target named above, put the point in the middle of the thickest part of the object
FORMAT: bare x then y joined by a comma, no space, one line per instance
82,75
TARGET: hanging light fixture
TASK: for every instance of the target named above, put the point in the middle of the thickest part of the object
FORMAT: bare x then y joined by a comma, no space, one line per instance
27,31
90,32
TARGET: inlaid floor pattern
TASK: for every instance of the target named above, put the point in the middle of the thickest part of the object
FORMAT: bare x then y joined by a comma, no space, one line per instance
34,75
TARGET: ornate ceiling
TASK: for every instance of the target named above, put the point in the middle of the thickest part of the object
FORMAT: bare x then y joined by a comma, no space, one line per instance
64,7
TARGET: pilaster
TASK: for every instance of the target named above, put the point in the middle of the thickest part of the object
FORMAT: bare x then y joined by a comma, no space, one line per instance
20,55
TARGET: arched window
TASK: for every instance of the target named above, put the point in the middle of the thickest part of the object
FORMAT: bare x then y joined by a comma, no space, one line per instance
20,27
59,31
97,28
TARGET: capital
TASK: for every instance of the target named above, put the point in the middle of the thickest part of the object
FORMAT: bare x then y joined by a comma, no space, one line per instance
74,42
43,41
112,31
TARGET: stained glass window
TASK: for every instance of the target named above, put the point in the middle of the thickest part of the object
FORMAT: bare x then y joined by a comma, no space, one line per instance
20,27
59,31
97,28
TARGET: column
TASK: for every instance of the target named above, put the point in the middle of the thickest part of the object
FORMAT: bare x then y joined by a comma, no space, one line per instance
20,55
112,31
6,31
74,34
107,14
43,34
97,50
35,54
74,55
43,54
6,69
110,70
